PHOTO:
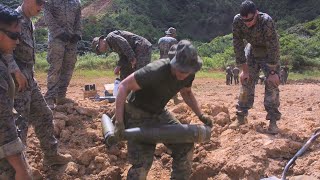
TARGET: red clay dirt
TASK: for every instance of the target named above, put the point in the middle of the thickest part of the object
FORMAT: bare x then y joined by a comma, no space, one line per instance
247,153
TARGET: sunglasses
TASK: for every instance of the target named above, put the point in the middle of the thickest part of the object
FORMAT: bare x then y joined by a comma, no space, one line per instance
12,35
248,20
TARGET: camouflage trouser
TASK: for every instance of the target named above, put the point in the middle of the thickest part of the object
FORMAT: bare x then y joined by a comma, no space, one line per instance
228,79
143,56
62,57
31,105
236,79
141,155
271,98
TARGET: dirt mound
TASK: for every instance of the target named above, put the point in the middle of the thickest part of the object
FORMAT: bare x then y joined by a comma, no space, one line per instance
247,153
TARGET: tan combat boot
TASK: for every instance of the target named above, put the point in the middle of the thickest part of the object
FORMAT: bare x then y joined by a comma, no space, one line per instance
57,159
273,128
64,100
241,120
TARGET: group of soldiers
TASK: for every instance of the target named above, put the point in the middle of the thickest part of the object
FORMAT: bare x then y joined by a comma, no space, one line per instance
145,88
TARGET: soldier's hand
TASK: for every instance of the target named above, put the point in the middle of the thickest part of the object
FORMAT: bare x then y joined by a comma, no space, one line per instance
206,120
119,129
273,79
117,70
65,37
75,38
21,80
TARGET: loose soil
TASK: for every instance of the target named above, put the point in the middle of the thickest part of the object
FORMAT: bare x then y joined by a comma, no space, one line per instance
246,153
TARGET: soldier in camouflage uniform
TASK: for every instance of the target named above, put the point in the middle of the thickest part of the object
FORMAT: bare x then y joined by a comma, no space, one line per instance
12,161
29,102
262,52
152,87
284,73
63,18
134,51
167,41
229,75
236,72
165,44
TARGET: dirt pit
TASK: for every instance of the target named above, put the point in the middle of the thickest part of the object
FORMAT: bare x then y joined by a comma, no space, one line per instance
231,154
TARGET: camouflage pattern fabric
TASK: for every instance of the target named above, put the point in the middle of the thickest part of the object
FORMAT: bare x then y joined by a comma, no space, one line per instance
30,104
10,143
284,73
61,16
261,52
229,75
164,45
141,155
129,46
262,36
236,72
246,98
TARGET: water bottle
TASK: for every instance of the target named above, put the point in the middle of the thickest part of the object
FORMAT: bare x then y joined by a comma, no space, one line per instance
116,86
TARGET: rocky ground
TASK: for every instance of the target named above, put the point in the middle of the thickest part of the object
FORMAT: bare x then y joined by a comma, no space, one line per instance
247,153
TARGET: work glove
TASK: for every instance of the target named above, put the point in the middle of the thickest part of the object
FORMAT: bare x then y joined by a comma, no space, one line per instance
118,129
65,37
206,120
75,38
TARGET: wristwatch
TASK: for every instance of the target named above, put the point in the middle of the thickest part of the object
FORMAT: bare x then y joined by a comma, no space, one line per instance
272,72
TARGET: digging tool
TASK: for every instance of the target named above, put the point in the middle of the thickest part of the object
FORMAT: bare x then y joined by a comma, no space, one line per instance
175,133
314,136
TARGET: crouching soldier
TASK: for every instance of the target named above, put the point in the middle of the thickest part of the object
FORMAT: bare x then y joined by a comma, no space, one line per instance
152,87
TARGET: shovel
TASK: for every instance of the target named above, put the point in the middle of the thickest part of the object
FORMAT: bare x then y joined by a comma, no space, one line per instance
314,136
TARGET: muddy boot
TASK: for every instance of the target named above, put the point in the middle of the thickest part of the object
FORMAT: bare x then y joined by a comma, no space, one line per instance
50,103
57,159
273,128
241,119
64,100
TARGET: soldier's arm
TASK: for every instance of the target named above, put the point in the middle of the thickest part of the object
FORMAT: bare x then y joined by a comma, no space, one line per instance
12,65
10,144
51,22
238,44
125,87
77,24
272,43
190,100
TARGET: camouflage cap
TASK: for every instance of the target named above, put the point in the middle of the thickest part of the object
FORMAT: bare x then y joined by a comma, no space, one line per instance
95,44
171,31
186,58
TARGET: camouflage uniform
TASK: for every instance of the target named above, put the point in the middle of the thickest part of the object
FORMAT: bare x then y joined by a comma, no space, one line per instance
236,72
61,16
284,72
10,143
164,45
262,52
129,46
229,75
31,103
141,155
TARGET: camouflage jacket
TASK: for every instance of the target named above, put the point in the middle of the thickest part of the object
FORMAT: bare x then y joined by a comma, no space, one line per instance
6,104
124,43
164,45
63,16
262,35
